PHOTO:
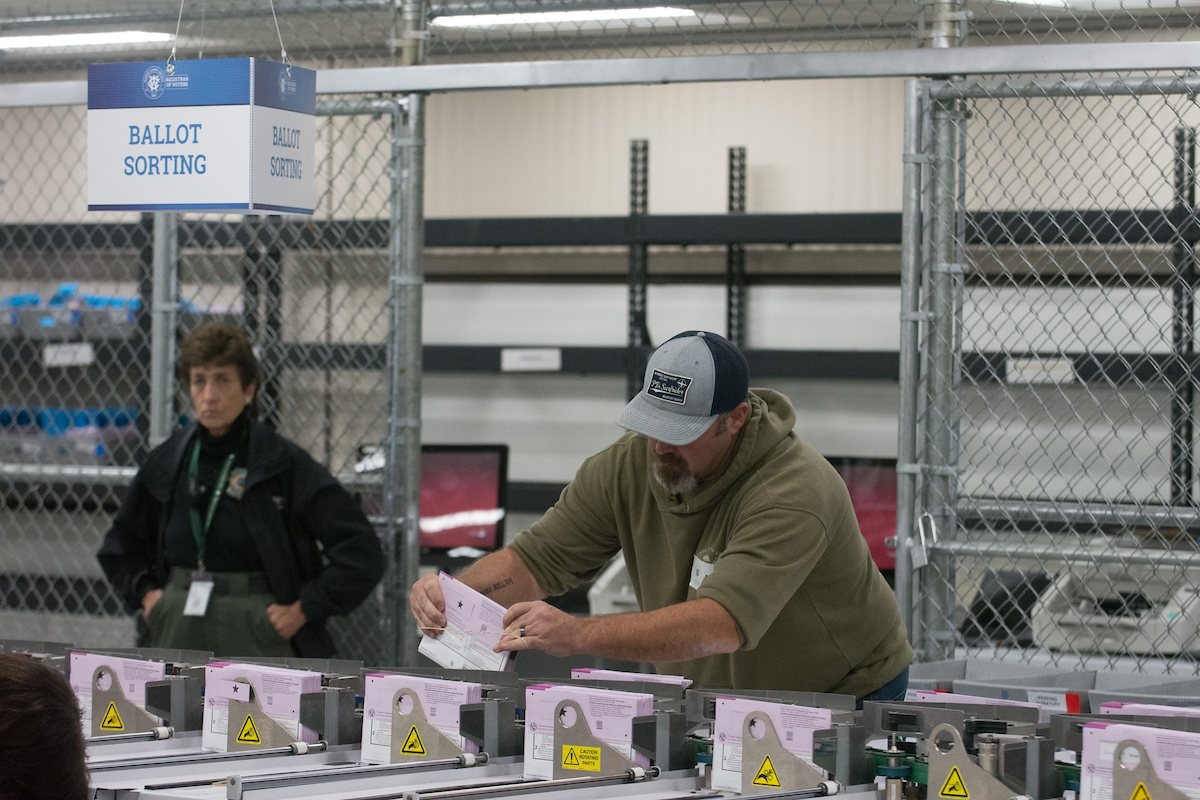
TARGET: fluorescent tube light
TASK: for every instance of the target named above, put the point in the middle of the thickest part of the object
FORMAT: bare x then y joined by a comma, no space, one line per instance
543,17
1107,5
81,39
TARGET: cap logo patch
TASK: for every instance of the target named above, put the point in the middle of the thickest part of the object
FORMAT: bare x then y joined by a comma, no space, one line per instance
669,388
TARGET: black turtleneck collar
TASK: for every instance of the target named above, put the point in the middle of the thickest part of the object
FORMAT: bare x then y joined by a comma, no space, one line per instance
232,440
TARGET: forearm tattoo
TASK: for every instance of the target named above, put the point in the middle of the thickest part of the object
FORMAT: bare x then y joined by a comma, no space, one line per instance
497,586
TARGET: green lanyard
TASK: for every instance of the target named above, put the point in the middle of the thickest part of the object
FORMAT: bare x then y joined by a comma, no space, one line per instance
200,532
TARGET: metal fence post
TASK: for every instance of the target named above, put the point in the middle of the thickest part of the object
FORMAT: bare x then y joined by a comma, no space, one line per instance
395,464
402,478
413,272
931,636
910,331
937,597
947,23
163,324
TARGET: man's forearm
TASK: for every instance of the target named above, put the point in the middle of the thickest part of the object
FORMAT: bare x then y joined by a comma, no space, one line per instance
503,577
679,632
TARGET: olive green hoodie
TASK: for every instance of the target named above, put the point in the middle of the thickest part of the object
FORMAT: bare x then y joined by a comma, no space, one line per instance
787,560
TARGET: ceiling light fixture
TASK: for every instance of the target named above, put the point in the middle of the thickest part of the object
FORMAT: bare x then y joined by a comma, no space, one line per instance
1106,5
81,39
544,17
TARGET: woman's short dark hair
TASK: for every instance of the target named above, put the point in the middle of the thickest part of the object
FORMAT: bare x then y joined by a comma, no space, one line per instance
222,344
41,735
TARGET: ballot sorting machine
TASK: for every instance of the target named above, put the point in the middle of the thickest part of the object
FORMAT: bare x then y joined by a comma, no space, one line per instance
944,746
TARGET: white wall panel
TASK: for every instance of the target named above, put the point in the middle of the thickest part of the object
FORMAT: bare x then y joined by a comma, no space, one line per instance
781,317
553,422
672,309
524,314
550,422
811,146
825,317
845,418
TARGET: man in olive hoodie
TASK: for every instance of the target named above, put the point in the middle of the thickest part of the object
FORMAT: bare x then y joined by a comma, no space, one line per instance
740,540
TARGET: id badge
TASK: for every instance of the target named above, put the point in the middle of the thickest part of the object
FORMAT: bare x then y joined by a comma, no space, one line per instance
198,595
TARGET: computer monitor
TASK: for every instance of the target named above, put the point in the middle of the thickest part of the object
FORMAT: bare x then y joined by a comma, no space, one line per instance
464,492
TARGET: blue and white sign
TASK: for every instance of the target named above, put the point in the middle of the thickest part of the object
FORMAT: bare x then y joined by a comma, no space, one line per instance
234,135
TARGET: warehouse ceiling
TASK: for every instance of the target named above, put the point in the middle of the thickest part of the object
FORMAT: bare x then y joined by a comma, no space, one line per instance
334,33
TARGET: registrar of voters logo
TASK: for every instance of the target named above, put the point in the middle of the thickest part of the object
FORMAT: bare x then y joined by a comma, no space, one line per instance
154,82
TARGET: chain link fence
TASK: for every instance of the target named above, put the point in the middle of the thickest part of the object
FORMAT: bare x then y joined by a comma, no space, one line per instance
1057,483
314,294
1050,234
75,345
349,33
75,338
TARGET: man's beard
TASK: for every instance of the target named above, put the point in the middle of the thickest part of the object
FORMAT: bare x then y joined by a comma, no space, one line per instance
672,474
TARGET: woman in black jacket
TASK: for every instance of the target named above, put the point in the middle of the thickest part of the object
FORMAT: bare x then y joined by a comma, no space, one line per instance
232,538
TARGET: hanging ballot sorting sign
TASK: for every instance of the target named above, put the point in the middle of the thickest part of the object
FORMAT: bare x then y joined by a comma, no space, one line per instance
232,135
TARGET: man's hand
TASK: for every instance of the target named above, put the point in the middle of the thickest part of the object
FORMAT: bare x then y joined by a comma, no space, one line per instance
428,606
679,632
548,629
287,619
150,600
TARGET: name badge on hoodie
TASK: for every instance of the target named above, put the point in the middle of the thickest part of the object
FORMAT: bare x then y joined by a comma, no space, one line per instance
700,571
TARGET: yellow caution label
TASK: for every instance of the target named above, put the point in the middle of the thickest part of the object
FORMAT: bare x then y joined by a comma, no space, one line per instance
586,759
766,775
112,719
1140,792
249,732
413,746
954,786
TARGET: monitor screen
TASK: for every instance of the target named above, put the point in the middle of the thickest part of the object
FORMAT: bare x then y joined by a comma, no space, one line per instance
872,485
463,494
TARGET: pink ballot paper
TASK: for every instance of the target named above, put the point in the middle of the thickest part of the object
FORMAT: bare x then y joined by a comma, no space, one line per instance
608,714
474,624
590,674
1148,709
278,692
794,725
132,673
1174,755
440,702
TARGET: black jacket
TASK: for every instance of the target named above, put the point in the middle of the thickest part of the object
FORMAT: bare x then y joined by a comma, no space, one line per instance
317,545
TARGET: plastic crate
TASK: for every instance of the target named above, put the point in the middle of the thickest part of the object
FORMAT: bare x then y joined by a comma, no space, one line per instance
53,435
49,324
9,329
1163,690
108,323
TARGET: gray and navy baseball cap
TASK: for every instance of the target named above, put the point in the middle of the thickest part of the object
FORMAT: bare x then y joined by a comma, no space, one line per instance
691,379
